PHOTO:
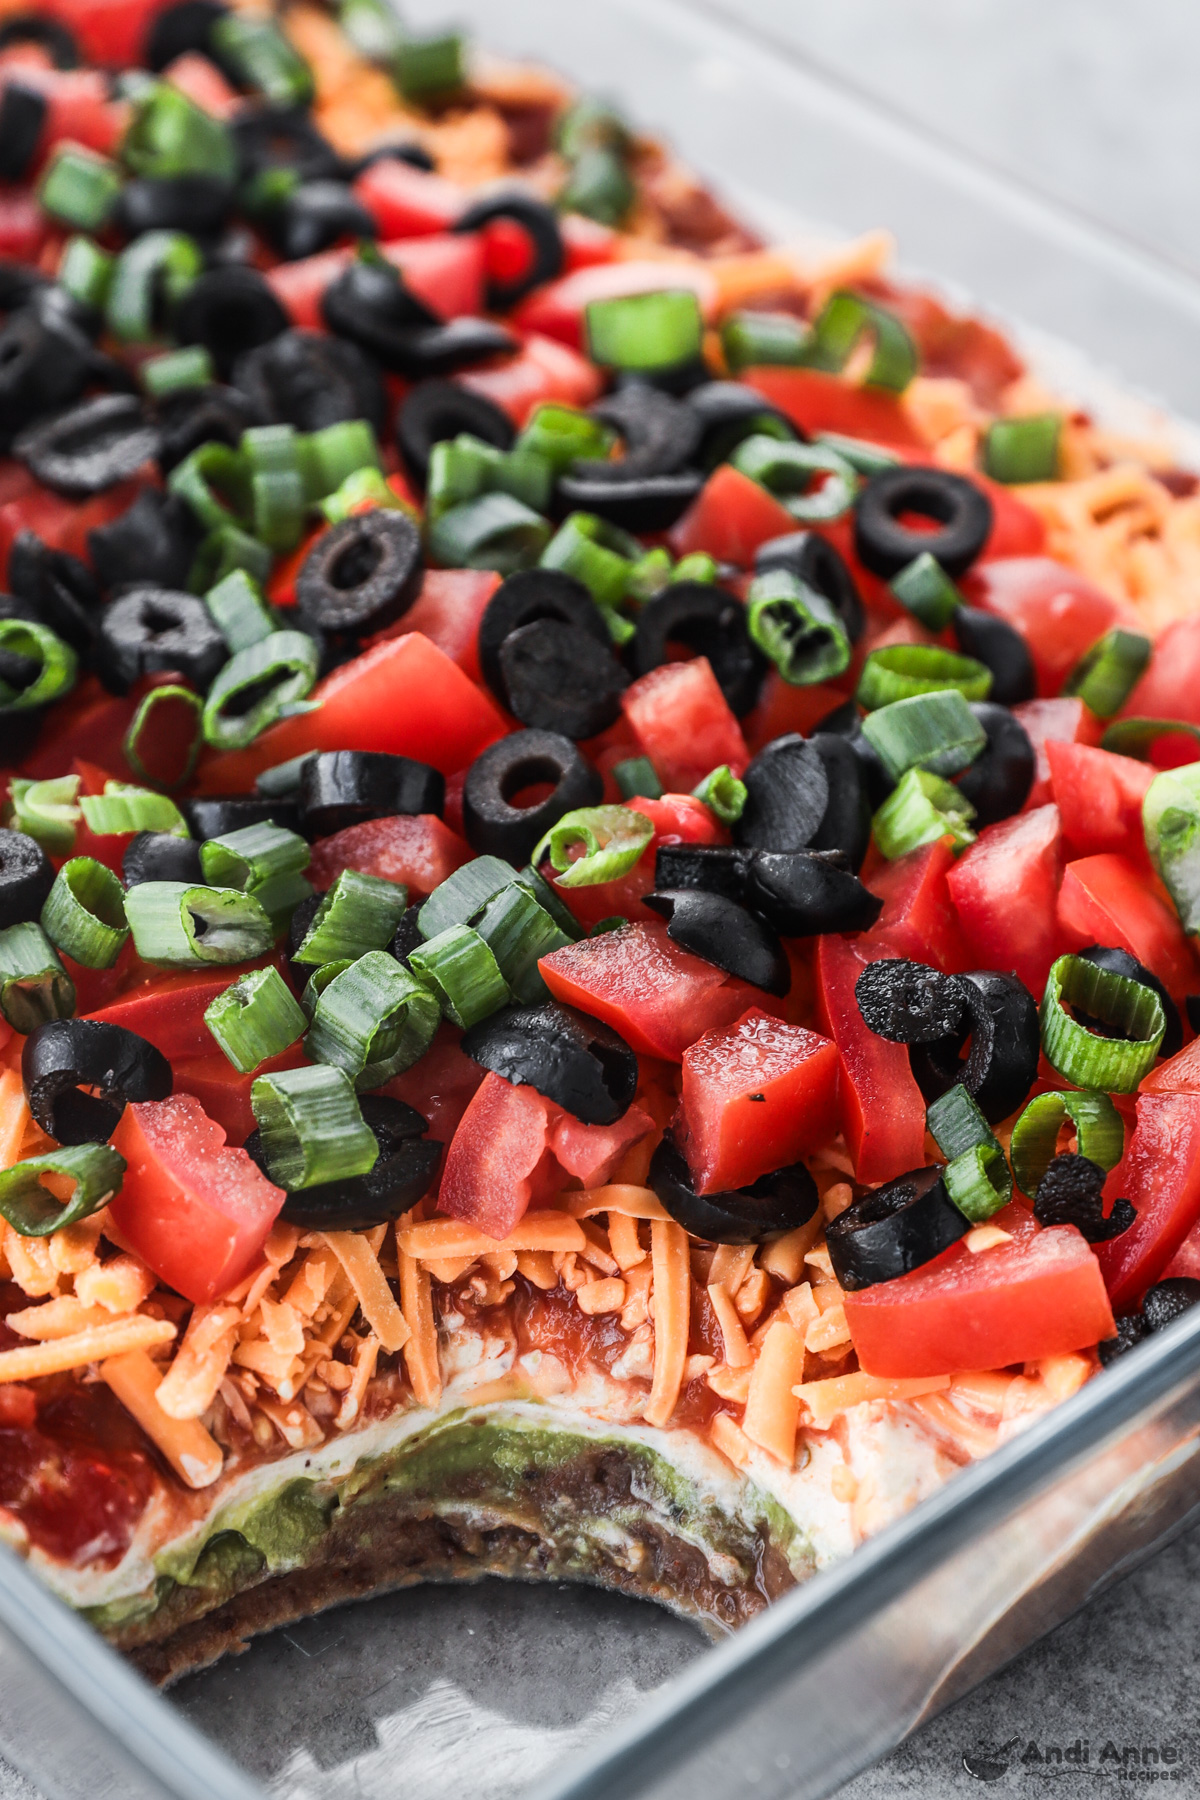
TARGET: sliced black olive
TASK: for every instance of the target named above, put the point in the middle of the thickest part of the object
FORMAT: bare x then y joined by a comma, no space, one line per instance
1167,1301
642,504
299,974
813,560
775,1203
180,28
524,599
362,574
90,447
1002,1063
845,721
711,622
229,311
315,216
711,868
160,856
149,629
22,116
540,224
575,1061
725,934
908,1002
34,28
493,823
65,1056
412,153
282,137
153,543
787,796
846,822
26,877
213,815
437,410
198,204
894,1229
998,782
885,544
409,936
60,590
45,363
805,892
729,412
999,647
1119,962
201,415
441,349
406,1167
19,285
340,788
558,678
1071,1192
660,436
371,305
1132,1329
310,380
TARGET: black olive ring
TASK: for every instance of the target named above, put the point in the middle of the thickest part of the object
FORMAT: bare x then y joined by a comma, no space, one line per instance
66,1055
579,1063
492,824
775,1203
540,224
885,546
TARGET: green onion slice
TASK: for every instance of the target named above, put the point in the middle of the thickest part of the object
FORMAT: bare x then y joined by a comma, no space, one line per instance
319,980
901,670
763,339
171,135
34,986
458,899
919,810
239,610
259,685
600,555
938,732
1171,821
224,549
255,50
924,587
699,566
612,839
362,490
551,902
257,1017
151,275
123,807
85,270
723,794
787,470
599,186
183,927
84,914
47,811
977,1177
1106,675
328,458
373,1019
518,932
561,435
1016,450
464,468
1137,737
215,482
359,913
493,532
1110,1065
645,331
55,664
78,188
463,973
429,67
32,1210
312,1128
252,855
864,457
155,747
635,777
1099,1132
797,628
844,321
191,366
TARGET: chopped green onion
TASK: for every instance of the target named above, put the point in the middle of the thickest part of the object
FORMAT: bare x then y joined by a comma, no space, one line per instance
1106,675
239,611
1017,450
493,532
56,663
192,366
462,895
152,273
424,68
373,29
645,331
225,549
1111,1065
85,270
636,776
32,1210
921,809
171,135
723,794
938,732
319,980
797,628
600,555
373,1019
599,186
590,124
1099,1132
612,839
122,807
847,318
518,931
1137,737
787,471
365,488
84,914
34,986
148,732
464,974
763,339
864,457
277,490
924,587
181,926
562,435
257,1017
215,482
902,670
47,811
312,1127
1171,822
329,457
551,902
282,781
266,682
252,855
650,574
464,468
977,1177
79,188
698,566
255,50
359,913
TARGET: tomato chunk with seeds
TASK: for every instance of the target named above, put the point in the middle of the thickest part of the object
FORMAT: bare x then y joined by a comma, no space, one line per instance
683,723
1108,900
196,1211
451,604
1160,1174
413,848
1004,889
880,1105
756,1096
541,373
223,1091
441,1085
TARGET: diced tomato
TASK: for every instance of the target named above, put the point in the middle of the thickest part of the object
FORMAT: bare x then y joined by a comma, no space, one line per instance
783,709
1016,529
1063,721
1108,900
223,1091
107,31
1039,1295
90,725
22,225
1185,1264
446,272
1099,798
404,696
448,612
1004,890
196,1211
168,1011
730,518
591,1152
299,285
1180,1074
556,310
918,918
493,1163
818,402
96,988
1160,1174
882,1112
683,723
756,1096
659,997
1170,688
586,242
406,202
677,819
201,80
1058,612
440,1085
541,372
415,849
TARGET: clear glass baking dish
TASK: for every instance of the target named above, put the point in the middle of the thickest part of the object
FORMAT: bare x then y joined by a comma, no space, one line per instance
566,1694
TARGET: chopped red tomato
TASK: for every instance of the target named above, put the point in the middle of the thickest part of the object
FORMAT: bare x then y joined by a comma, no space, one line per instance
1058,612
406,202
201,80
196,1211
591,1152
586,242
1185,1263
918,918
22,227
448,612
683,723
541,372
446,272
1004,889
659,997
1180,1074
1170,688
1016,528
415,849
1039,1295
223,1091
557,309
495,1161
783,709
818,402
756,1096
1062,721
110,32
880,1105
1160,1174
1108,900
730,518
441,1085
677,819
168,1011
1099,798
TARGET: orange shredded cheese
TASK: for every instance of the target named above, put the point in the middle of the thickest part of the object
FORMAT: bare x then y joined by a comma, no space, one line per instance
784,1259
421,1350
537,1266
728,1437
361,1263
672,1316
190,1384
14,1117
366,1355
120,1285
633,1202
437,1238
93,1345
970,1435
626,1244
772,1409
737,1351
601,1296
730,1266
824,1400
56,1319
293,1421
187,1446
829,1332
